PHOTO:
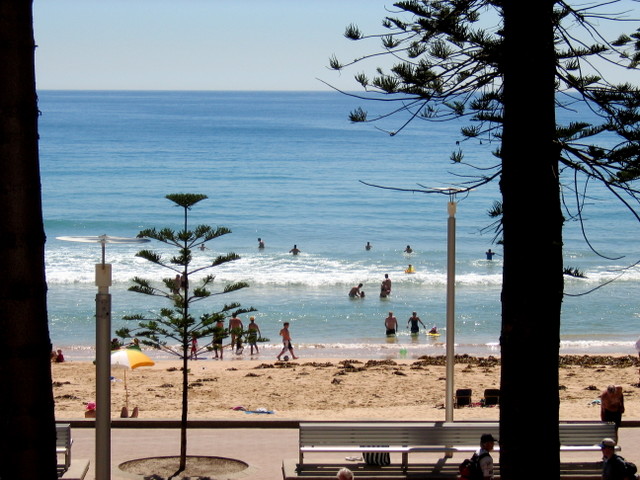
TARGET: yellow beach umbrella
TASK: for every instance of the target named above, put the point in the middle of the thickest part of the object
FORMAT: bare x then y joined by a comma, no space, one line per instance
129,358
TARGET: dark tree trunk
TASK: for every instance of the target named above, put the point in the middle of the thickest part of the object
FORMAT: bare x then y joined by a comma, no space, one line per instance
532,220
27,422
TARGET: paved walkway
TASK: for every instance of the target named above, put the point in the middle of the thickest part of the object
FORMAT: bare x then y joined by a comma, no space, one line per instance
263,449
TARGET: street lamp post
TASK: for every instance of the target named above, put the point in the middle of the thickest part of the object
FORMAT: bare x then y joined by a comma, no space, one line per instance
103,352
451,295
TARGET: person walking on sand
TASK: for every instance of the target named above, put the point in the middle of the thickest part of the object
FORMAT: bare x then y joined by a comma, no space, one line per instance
612,405
254,334
286,341
391,324
295,250
414,320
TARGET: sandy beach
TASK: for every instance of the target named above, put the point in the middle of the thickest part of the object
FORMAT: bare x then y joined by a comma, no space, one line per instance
316,389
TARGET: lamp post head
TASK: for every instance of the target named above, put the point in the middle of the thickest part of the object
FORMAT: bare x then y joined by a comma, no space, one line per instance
103,240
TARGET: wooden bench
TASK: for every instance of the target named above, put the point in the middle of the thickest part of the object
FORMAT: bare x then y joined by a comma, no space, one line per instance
63,447
438,437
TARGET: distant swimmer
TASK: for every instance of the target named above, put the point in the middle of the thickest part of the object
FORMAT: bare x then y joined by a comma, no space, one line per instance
385,286
489,254
414,320
434,330
368,246
410,269
202,247
408,249
294,250
260,243
391,324
355,291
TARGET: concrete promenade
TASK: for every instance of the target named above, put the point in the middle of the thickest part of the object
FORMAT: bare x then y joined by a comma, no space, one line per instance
261,444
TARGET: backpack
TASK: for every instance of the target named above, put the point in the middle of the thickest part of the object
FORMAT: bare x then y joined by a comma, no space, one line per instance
470,468
630,469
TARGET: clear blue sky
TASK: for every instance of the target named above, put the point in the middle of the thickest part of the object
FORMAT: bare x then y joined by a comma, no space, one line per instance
205,44
197,44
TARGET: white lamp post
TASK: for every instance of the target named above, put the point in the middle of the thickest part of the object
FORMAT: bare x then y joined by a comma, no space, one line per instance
103,352
451,305
451,298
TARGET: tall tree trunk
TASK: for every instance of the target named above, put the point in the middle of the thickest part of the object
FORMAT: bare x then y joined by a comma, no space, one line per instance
532,220
27,420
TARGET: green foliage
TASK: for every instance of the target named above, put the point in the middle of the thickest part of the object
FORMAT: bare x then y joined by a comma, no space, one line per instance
573,272
172,329
358,115
446,62
185,200
176,324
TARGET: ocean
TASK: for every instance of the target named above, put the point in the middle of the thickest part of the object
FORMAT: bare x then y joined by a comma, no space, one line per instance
287,167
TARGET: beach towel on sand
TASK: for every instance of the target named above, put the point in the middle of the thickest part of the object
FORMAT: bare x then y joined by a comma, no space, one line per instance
259,410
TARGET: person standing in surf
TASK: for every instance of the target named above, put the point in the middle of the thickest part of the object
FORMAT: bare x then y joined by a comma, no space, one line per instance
414,320
295,250
391,324
385,286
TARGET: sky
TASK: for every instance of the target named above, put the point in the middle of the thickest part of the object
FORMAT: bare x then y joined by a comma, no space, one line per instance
204,44
198,44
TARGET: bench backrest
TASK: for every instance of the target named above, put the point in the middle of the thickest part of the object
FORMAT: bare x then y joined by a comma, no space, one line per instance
398,433
433,433
63,435
585,433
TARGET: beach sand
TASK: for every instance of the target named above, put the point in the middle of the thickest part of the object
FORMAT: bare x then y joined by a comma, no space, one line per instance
321,389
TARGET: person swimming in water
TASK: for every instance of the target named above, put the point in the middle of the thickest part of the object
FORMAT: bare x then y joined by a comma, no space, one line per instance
355,291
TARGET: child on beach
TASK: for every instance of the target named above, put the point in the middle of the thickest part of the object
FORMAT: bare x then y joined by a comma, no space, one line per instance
286,341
